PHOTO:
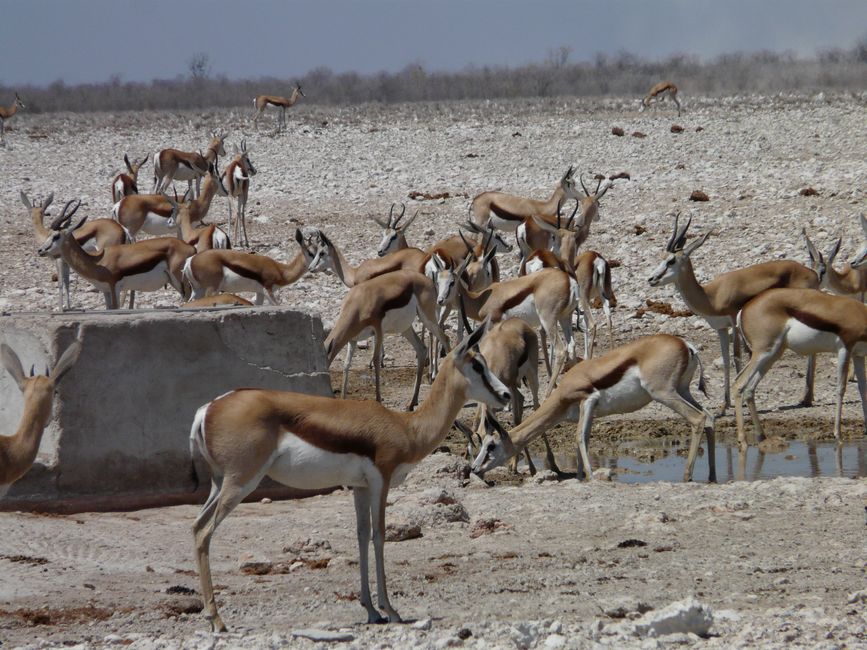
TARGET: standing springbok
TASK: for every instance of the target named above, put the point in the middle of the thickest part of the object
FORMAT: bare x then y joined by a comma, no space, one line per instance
126,183
306,441
545,299
262,101
144,266
850,281
237,175
217,270
6,113
659,92
386,304
808,322
17,452
175,165
719,301
656,368
184,215
93,237
153,214
507,211
330,257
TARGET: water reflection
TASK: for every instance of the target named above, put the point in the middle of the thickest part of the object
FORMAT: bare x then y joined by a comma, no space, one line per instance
664,460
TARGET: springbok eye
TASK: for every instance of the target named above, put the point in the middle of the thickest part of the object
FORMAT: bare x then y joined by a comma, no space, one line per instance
477,366
670,262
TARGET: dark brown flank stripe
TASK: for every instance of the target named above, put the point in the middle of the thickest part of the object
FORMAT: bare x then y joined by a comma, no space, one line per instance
163,212
609,380
517,299
814,321
241,270
145,265
502,213
400,300
347,443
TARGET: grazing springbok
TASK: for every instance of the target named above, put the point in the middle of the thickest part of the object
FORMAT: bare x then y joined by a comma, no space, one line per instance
659,92
719,301
656,368
6,113
330,257
511,349
126,183
144,266
386,304
184,215
545,299
848,282
507,211
262,101
175,165
93,237
807,322
218,270
313,442
237,175
17,452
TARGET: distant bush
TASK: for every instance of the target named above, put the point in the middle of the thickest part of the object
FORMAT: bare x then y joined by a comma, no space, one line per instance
620,74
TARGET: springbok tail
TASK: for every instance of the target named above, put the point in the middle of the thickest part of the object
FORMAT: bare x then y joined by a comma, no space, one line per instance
702,381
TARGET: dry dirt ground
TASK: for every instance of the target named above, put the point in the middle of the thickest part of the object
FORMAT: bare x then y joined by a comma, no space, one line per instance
569,564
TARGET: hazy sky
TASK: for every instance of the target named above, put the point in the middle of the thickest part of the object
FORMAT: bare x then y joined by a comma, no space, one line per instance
90,40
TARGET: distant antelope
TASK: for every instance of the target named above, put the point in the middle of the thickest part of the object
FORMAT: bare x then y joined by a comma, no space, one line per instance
656,368
262,101
175,165
145,266
125,184
93,237
719,301
237,180
214,271
659,92
313,442
17,452
807,322
6,113
507,211
386,304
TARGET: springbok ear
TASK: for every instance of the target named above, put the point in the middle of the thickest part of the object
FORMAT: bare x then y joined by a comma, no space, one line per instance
13,365
544,225
832,253
472,339
66,360
25,200
812,251
47,202
406,226
127,163
299,237
687,251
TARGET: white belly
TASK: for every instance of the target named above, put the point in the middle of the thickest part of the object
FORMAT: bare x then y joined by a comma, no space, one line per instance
504,224
526,311
153,280
626,396
184,173
400,320
302,465
803,339
233,283
156,224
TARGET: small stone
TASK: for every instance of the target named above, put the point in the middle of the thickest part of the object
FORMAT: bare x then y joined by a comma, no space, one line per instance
683,616
544,476
423,624
255,566
602,474
555,641
322,635
857,597
401,531
265,500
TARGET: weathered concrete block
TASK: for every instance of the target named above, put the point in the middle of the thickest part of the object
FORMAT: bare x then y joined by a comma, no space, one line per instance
119,436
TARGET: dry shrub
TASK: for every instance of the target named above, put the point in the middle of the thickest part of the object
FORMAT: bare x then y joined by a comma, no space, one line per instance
617,131
415,195
698,195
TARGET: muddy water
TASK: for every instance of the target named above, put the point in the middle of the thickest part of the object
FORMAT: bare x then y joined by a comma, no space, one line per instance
664,460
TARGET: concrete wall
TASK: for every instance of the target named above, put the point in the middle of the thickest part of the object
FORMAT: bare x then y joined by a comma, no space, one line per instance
119,436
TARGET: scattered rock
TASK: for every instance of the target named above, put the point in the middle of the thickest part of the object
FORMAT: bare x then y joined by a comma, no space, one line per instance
602,474
183,605
617,131
486,526
808,191
323,635
619,175
685,616
698,195
544,476
676,128
638,134
699,129
423,624
639,229
631,543
255,566
857,597
524,635
401,531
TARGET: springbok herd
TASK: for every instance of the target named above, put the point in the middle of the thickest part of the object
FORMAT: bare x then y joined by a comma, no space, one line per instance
306,441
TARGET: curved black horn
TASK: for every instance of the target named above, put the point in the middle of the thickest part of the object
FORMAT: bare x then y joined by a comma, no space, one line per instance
671,240
571,218
63,217
583,186
466,243
390,215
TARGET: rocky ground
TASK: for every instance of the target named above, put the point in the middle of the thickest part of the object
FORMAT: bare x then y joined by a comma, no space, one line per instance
555,564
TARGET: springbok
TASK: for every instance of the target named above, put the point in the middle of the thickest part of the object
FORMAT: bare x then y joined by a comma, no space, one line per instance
859,260
6,113
93,237
126,183
262,101
144,266
545,299
153,214
719,301
507,211
850,281
17,452
306,441
237,175
658,93
175,165
184,215
656,368
807,322
218,270
386,304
